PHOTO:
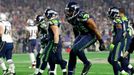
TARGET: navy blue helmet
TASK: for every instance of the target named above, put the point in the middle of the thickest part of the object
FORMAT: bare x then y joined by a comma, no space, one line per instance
39,18
113,12
49,13
72,9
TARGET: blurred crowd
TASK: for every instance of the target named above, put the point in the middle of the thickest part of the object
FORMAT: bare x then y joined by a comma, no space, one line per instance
19,11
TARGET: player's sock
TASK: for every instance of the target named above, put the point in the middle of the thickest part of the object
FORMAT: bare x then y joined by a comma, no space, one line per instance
115,67
70,72
55,69
82,57
2,64
43,65
63,66
48,66
11,68
51,73
72,63
64,71
32,57
38,60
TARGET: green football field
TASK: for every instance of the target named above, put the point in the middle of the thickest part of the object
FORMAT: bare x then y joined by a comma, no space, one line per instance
99,60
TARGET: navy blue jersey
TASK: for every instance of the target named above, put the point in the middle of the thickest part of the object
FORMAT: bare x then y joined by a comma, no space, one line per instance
42,27
127,26
52,22
43,34
115,22
117,35
79,23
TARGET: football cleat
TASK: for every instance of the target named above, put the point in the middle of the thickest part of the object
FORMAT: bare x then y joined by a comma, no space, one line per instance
12,74
132,71
39,73
86,68
5,72
124,73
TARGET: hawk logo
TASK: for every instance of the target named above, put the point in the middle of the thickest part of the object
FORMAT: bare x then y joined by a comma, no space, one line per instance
75,6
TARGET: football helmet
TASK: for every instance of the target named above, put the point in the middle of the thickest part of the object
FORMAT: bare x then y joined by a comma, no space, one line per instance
39,18
72,9
50,13
30,22
113,12
3,17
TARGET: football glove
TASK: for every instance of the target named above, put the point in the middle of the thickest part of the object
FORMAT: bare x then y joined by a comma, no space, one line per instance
102,46
111,47
55,47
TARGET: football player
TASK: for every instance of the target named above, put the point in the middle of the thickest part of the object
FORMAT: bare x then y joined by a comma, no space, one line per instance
52,53
119,36
31,36
86,32
6,45
128,36
43,36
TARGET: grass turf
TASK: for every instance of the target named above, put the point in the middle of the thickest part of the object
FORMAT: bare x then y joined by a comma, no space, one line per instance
100,65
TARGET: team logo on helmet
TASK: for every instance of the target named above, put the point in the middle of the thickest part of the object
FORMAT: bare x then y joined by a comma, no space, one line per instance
113,12
50,13
72,9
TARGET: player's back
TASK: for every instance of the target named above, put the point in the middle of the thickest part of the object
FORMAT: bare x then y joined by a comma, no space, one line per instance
32,30
7,35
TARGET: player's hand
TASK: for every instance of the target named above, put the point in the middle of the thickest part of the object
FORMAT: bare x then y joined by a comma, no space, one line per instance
55,47
111,47
102,46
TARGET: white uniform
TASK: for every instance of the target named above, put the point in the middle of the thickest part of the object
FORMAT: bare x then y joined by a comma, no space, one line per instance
7,35
8,46
32,43
32,31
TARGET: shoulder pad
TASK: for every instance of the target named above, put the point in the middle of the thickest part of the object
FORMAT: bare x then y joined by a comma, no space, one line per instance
124,18
83,16
54,22
118,20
